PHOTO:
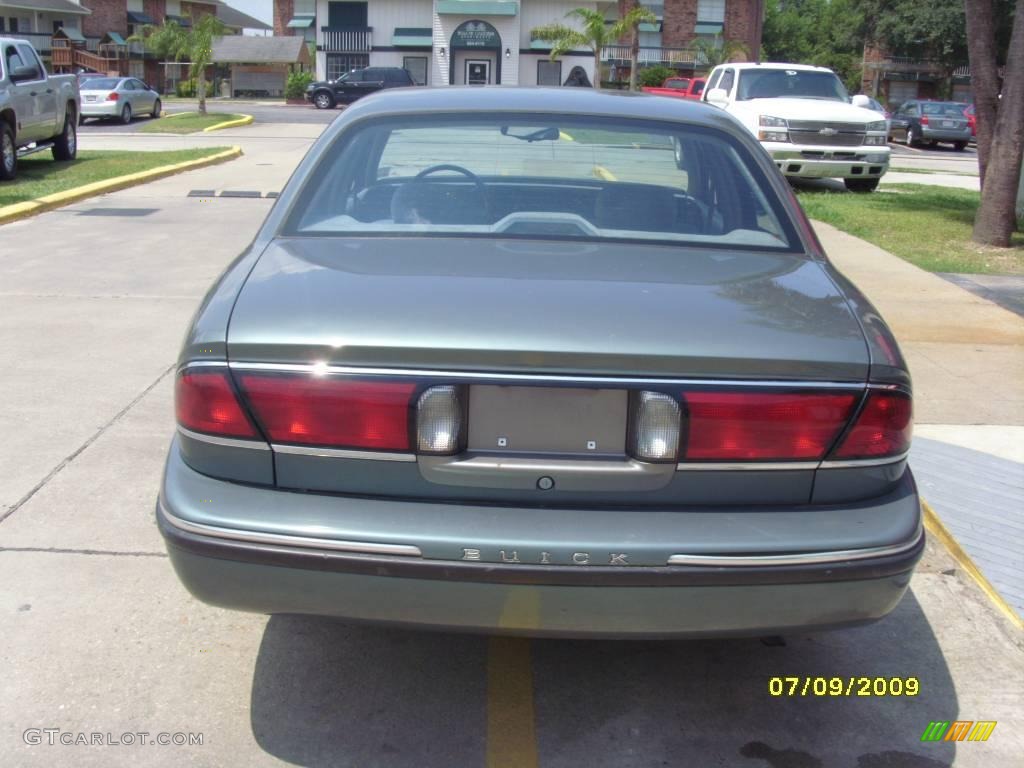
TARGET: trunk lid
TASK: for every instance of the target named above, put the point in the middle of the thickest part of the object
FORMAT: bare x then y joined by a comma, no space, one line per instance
517,306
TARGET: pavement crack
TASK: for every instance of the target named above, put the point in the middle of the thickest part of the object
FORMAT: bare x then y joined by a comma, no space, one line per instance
64,551
75,454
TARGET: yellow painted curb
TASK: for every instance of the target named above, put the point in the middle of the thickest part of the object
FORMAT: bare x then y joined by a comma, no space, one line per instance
58,199
603,173
937,529
565,136
243,120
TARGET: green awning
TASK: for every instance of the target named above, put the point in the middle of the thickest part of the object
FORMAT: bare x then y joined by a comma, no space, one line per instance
301,22
478,7
116,39
709,28
181,21
137,17
540,45
413,37
71,34
650,26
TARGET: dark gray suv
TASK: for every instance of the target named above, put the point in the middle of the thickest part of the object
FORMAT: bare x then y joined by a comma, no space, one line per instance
327,94
918,122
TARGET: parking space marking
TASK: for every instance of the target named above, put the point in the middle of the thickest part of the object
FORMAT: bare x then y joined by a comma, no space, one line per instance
511,735
937,529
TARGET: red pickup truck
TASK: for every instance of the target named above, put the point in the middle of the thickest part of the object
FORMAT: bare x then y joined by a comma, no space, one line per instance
679,88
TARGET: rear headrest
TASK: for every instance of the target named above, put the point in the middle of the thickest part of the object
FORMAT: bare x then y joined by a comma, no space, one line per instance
637,207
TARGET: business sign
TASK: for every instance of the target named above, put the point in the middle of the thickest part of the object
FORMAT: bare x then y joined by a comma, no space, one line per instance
476,34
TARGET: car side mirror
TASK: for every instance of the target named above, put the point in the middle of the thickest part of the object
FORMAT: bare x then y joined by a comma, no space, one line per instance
860,100
24,72
717,96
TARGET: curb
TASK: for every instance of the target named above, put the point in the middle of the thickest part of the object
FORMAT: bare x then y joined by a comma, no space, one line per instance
28,208
243,120
937,529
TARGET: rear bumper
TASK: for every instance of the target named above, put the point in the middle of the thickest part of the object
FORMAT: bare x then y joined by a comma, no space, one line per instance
102,109
938,134
382,582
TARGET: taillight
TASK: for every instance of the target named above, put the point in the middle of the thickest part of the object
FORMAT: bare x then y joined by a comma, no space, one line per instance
924,119
204,401
111,97
332,412
883,428
763,426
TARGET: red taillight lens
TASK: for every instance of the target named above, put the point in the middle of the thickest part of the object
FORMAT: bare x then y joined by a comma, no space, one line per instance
883,428
924,119
762,426
331,412
205,402
111,97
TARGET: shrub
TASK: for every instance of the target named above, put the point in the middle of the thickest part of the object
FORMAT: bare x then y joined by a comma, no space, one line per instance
186,89
652,77
295,88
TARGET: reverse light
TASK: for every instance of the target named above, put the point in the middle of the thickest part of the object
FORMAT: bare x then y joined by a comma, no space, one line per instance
772,128
331,411
439,420
204,401
764,426
883,428
655,420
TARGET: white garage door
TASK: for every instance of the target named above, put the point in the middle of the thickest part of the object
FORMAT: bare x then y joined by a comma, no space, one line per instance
245,83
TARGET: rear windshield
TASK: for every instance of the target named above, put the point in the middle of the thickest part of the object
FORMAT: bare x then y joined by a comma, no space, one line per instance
541,177
101,83
763,83
946,110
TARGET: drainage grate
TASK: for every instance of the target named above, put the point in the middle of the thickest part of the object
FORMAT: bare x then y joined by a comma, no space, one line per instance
202,193
118,212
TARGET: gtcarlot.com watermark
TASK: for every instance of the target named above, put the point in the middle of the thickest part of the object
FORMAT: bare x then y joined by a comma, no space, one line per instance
57,736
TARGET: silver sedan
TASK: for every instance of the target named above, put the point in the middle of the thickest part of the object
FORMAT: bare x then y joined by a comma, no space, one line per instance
120,98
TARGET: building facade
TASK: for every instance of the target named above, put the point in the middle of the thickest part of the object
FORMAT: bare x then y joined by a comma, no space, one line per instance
894,79
489,42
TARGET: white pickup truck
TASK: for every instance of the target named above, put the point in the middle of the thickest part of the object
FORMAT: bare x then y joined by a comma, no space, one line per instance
803,117
37,111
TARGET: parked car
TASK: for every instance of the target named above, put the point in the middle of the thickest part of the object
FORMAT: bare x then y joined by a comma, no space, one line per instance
679,87
875,106
457,372
119,98
38,111
931,122
327,94
804,119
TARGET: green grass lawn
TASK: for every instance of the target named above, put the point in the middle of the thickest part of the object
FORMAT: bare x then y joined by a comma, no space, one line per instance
927,225
187,123
39,175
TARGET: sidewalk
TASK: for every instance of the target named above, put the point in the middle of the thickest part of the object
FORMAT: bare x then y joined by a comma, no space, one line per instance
966,356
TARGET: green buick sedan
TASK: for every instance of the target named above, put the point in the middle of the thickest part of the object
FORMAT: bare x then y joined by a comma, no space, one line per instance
542,362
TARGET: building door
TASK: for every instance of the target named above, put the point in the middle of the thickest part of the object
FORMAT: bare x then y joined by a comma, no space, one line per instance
478,72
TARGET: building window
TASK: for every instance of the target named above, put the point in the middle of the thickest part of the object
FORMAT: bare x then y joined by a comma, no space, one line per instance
711,11
12,24
340,63
549,72
417,66
57,25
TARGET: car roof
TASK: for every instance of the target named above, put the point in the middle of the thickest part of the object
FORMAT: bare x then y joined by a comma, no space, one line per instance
556,100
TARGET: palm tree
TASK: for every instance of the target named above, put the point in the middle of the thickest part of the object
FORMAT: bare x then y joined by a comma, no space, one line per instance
717,51
595,35
172,42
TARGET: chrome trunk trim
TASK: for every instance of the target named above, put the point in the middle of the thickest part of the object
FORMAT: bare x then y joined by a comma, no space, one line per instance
229,442
341,453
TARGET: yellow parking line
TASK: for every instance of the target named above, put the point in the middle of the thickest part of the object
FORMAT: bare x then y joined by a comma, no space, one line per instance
938,529
603,173
511,738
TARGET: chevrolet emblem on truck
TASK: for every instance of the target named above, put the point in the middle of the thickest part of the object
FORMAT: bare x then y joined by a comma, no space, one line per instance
828,131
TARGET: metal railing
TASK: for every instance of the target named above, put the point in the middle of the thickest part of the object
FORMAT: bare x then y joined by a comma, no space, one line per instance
346,39
650,55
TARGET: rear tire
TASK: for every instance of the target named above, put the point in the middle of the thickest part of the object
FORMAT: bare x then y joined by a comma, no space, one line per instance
8,153
157,109
323,100
126,114
65,146
960,146
911,138
861,185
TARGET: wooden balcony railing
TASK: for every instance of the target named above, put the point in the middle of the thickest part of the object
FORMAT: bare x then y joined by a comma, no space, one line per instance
346,39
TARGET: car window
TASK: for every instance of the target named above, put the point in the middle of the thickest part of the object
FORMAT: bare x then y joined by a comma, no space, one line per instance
127,85
13,59
100,84
947,109
728,77
355,76
715,77
763,83
397,76
698,88
28,55
542,177
373,75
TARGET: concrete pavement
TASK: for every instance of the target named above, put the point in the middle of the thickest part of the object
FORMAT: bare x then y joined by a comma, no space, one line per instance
99,636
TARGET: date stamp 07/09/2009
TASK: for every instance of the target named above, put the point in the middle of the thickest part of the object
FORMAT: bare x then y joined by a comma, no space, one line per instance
843,686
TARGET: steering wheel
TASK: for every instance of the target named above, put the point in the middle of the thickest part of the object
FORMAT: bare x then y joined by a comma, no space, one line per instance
422,176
